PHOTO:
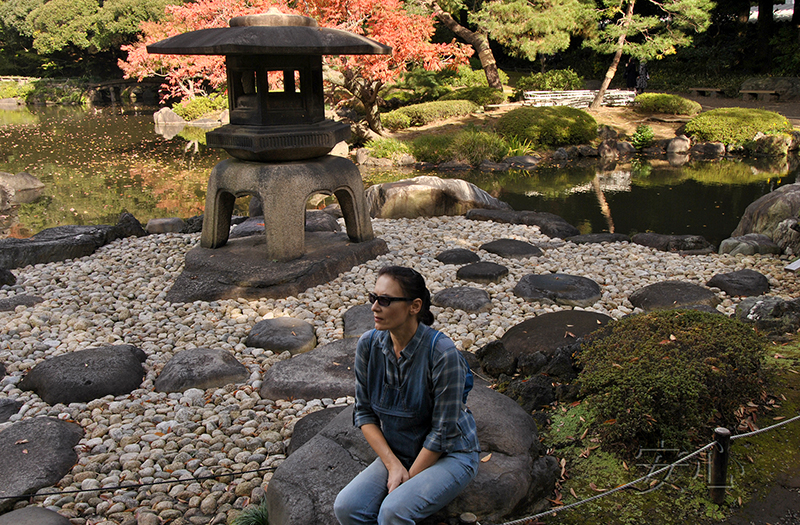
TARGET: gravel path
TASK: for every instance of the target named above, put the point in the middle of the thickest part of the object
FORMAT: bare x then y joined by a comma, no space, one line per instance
117,296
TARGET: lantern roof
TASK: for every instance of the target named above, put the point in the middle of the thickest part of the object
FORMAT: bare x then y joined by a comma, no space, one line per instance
272,33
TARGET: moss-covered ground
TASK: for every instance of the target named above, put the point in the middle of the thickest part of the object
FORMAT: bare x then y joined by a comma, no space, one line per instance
590,467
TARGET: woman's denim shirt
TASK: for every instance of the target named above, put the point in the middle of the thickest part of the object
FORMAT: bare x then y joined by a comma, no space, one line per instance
419,400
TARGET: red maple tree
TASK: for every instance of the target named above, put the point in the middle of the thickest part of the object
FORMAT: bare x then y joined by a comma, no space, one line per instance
363,76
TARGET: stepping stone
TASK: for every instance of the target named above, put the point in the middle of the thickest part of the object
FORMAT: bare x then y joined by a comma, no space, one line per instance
33,516
674,243
548,332
85,375
10,303
283,334
668,295
467,298
482,272
9,407
512,248
458,256
357,320
743,283
200,368
549,224
596,238
326,371
559,288
37,453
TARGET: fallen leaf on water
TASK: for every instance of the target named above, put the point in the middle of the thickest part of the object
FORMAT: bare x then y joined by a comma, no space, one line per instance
486,458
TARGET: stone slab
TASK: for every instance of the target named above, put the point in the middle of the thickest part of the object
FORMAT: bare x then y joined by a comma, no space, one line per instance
559,288
240,269
548,332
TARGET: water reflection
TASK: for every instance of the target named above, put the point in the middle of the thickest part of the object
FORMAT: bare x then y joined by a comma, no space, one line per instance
97,163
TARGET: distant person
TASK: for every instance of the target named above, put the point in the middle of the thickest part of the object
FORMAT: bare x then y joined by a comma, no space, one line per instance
642,78
631,72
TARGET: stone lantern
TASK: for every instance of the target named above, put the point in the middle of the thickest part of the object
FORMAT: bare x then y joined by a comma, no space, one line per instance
279,137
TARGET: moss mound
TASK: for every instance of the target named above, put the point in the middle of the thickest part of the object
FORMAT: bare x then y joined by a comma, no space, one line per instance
670,375
549,126
421,114
664,103
736,125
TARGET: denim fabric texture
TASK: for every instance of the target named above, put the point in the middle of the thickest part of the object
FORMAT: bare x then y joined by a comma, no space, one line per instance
417,400
366,499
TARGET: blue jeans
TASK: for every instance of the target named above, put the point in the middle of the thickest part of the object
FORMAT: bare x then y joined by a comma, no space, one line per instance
366,499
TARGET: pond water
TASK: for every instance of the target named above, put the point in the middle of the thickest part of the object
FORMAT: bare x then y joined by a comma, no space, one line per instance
96,163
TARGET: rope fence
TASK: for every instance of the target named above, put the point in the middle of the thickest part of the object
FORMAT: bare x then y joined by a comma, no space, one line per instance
719,467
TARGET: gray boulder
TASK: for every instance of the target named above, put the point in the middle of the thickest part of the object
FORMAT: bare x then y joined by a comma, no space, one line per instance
674,243
787,236
597,238
669,295
65,242
37,453
310,425
304,486
165,225
200,368
33,516
82,376
680,144
7,278
357,320
495,359
764,214
282,334
750,244
167,116
27,188
427,196
742,282
8,407
466,298
326,371
8,304
772,316
548,332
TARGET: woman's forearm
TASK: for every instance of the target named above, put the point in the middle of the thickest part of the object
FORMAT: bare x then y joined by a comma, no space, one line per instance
424,459
397,472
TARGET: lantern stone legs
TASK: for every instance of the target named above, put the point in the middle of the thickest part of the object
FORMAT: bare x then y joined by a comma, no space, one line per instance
284,189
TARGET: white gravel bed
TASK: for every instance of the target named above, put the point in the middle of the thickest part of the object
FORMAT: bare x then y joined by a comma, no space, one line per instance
116,296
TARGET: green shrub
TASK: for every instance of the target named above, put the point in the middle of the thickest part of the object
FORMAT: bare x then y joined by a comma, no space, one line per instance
427,112
253,515
432,148
554,80
69,92
420,85
11,89
643,137
664,103
481,96
387,148
734,126
670,375
549,126
197,107
465,76
473,147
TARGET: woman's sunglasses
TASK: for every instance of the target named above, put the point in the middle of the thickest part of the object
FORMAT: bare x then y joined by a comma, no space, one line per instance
385,300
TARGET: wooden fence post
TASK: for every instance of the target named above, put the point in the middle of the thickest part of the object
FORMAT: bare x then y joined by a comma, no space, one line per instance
719,465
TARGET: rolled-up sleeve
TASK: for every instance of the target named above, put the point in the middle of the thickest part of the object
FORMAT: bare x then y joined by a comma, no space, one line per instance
362,411
448,376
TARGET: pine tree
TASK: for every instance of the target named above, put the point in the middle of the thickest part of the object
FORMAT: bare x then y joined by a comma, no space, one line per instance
647,30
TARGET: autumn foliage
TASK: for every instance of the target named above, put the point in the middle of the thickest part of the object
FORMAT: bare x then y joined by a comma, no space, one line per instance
386,21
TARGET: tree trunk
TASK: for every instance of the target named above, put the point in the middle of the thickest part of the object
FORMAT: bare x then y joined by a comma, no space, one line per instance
612,70
478,41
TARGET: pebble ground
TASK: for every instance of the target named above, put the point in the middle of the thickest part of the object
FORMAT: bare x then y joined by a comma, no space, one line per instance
116,296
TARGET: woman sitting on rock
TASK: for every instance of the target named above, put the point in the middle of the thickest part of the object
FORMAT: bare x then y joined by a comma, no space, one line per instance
411,389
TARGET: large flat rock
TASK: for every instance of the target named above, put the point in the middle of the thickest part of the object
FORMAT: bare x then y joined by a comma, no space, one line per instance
241,269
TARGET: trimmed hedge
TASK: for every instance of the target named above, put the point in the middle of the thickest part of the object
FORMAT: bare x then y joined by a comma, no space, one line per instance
670,375
481,95
735,126
664,103
421,114
549,126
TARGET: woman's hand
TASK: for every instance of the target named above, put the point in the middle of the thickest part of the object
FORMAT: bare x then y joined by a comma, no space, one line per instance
397,476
